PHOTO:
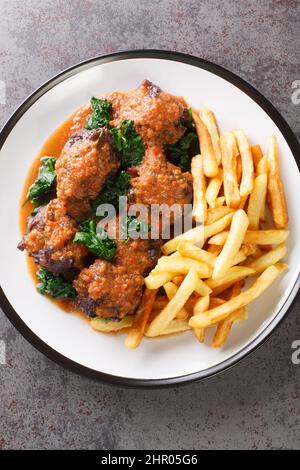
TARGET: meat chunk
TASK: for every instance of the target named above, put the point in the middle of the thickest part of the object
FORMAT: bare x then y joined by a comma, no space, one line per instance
113,289
49,239
108,290
86,160
157,115
139,255
160,182
79,210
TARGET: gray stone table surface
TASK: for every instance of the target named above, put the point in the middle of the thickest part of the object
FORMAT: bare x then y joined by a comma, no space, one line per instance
256,403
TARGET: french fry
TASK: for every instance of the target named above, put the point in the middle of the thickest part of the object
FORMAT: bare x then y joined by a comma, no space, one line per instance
265,248
214,249
201,305
234,274
215,302
189,305
182,265
202,288
109,326
257,155
190,250
269,258
246,185
262,166
217,314
210,165
232,245
243,202
239,170
171,289
217,226
239,258
156,279
138,326
257,200
224,326
175,326
162,301
216,213
175,305
249,249
275,187
194,235
209,120
178,279
229,161
200,334
236,288
257,252
241,315
213,189
257,237
220,201
199,189
198,234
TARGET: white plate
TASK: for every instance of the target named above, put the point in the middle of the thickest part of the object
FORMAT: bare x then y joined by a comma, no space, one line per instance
64,337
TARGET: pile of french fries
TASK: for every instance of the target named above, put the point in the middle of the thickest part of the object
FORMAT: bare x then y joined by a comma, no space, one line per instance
240,209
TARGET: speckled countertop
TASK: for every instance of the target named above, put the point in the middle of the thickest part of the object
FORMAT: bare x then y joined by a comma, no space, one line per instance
255,404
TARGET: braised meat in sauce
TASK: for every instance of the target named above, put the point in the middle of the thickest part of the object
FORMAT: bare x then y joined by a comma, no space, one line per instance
160,182
110,288
49,239
157,115
140,254
114,289
86,160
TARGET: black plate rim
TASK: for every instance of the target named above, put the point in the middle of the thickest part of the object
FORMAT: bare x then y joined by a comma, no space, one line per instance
290,138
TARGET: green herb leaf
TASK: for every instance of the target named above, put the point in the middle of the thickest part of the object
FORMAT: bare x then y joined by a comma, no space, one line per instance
182,152
55,286
113,190
128,143
101,113
43,187
130,225
97,242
